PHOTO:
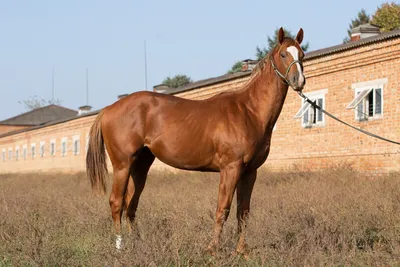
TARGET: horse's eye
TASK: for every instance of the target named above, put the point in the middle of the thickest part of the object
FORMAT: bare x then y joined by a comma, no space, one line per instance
283,55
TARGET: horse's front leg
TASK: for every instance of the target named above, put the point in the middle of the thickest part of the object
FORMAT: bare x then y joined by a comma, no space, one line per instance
244,190
229,178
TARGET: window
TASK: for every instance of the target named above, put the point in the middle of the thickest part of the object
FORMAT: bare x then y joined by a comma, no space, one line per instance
9,153
17,153
368,99
310,115
24,151
3,154
64,146
33,150
77,144
52,147
42,147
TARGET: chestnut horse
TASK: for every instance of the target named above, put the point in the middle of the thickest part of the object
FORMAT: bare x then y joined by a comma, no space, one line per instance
229,133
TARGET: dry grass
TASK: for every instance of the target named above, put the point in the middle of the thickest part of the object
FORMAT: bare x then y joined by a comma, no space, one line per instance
331,218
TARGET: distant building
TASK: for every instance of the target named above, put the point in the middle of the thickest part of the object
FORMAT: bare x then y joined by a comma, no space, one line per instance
36,117
358,81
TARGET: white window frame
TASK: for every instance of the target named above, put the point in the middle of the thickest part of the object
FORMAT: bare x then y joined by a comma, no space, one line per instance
64,140
10,153
3,154
369,86
17,153
33,149
53,144
307,107
42,148
24,151
87,142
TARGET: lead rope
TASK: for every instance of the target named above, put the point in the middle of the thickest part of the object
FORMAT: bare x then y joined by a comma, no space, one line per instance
345,123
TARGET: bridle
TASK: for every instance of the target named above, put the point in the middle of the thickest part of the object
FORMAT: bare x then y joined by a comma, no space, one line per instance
284,77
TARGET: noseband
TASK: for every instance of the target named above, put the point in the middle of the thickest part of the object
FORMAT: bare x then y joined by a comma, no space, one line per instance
284,77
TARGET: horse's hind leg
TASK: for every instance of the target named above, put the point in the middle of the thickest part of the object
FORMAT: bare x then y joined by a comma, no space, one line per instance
138,172
121,176
128,196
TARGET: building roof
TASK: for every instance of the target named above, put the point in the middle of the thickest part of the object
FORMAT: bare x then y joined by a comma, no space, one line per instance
41,116
351,45
204,82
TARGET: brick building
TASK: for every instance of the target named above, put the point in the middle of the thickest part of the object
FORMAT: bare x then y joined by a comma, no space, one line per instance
359,82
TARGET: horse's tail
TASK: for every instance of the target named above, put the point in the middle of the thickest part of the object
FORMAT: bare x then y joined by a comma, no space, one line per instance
96,164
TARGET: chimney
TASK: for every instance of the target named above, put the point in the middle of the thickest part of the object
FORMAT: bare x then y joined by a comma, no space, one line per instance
364,31
248,64
122,96
84,109
162,88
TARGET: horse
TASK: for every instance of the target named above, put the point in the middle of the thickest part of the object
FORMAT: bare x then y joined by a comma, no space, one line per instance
229,133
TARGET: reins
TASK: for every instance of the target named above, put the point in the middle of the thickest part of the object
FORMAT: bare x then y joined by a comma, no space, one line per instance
313,103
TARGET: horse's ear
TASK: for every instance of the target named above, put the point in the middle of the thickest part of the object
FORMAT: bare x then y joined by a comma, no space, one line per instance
299,37
281,35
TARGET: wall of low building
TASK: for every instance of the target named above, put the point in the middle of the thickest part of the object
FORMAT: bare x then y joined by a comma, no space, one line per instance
10,128
308,148
68,162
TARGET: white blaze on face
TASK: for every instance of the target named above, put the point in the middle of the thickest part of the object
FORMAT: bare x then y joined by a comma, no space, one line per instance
295,54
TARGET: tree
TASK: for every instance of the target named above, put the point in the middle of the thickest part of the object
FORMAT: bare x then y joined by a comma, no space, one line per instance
177,81
262,52
35,102
236,67
387,17
362,18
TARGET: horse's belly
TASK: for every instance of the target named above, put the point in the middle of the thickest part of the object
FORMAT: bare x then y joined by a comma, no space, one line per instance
259,158
188,157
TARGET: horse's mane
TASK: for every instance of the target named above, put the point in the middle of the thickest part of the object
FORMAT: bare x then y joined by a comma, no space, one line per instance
257,69
263,62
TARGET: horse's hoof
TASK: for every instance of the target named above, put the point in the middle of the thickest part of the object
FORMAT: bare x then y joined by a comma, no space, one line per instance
212,250
118,242
244,255
243,252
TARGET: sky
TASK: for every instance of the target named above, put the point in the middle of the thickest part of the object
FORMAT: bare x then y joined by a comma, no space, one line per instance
201,39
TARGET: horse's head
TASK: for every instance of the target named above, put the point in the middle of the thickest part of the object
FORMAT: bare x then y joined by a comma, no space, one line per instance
287,58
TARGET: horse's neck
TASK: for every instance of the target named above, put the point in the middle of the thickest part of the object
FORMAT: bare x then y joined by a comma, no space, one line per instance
266,94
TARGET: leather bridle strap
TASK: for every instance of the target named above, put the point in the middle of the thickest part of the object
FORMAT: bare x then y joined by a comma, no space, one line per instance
284,77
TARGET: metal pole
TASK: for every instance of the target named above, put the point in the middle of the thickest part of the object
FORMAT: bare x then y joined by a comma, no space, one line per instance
145,65
87,87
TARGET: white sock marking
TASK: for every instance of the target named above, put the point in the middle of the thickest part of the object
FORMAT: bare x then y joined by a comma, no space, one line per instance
118,242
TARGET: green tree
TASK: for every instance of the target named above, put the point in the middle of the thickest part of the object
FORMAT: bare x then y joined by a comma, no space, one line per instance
236,67
35,102
362,18
177,81
387,17
272,41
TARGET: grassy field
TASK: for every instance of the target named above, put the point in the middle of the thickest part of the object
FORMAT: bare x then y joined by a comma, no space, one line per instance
331,218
